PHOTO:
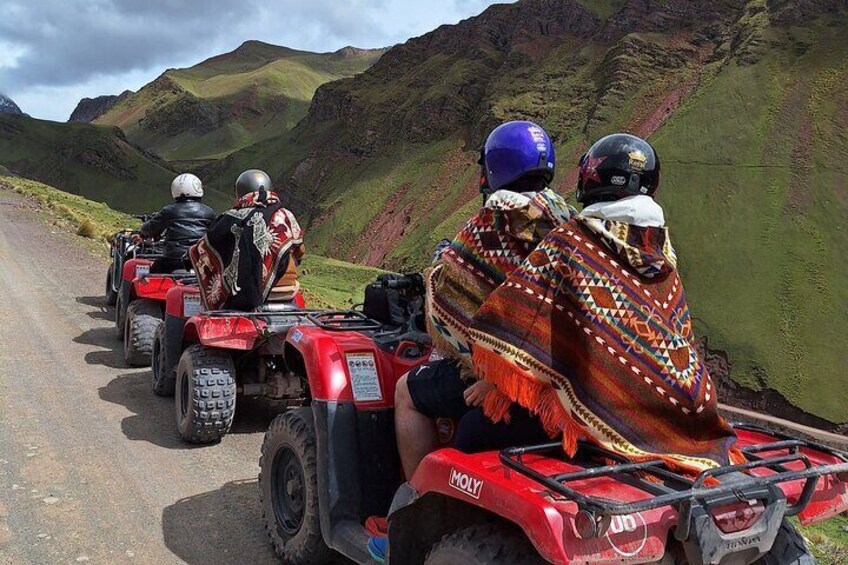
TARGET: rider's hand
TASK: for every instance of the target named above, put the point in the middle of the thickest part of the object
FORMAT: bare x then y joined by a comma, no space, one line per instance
475,394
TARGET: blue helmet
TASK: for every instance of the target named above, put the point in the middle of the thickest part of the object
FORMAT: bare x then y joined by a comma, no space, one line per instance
517,150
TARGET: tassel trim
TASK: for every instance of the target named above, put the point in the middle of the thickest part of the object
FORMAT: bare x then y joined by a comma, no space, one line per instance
514,386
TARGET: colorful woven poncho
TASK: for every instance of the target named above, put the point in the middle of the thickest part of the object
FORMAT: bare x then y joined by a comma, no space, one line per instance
490,246
592,333
245,251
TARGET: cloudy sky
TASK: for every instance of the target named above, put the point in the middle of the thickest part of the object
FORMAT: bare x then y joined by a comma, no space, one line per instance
54,52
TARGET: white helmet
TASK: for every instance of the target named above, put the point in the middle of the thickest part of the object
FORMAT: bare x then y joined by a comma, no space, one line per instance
187,186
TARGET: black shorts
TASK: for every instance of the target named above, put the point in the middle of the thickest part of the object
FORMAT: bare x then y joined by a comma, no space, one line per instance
437,391
476,432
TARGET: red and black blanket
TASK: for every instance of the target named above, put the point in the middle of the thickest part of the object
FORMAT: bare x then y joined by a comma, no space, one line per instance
244,252
592,333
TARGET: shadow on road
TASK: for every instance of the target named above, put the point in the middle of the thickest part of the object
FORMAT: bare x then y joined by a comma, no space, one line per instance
223,527
102,312
154,420
111,353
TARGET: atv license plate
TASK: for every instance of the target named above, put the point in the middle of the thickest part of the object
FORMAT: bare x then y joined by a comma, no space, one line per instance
142,271
191,305
363,377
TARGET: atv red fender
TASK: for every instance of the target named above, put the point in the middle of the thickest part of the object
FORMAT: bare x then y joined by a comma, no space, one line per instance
347,366
481,480
134,268
154,287
224,332
229,329
831,494
548,497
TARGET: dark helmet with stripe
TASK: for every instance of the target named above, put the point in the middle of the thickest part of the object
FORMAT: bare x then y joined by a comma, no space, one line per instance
617,166
253,180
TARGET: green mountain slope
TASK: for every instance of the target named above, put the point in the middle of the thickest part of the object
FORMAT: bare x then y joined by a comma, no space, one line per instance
745,101
94,161
230,101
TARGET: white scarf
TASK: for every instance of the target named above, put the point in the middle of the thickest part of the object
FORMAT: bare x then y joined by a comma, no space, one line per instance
640,210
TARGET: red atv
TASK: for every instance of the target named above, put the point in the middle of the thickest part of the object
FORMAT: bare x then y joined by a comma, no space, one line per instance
329,464
140,302
121,248
207,358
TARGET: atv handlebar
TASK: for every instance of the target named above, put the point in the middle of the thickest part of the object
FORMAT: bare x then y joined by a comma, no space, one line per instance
142,217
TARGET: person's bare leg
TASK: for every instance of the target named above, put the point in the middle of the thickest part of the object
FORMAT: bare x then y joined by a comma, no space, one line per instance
416,433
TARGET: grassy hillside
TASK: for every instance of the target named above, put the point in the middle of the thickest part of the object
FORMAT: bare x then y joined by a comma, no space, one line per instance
327,283
745,101
230,101
94,161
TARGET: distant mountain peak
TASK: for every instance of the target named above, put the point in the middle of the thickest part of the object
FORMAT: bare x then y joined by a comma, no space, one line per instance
89,109
8,106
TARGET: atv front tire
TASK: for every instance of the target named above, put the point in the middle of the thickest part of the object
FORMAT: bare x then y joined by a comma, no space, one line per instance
484,544
205,394
111,295
789,548
288,486
164,378
142,318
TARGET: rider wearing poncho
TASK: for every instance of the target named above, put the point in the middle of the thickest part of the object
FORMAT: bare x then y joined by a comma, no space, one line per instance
518,164
593,333
250,253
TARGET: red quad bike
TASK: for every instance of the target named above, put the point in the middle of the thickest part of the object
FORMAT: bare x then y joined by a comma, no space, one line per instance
140,305
121,248
208,358
329,464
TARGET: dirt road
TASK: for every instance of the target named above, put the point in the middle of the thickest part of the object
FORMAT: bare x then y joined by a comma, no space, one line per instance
91,468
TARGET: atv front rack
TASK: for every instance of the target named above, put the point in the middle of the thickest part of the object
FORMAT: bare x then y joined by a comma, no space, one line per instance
674,489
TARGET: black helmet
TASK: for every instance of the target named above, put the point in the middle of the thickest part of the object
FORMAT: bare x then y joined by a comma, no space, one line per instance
253,180
617,166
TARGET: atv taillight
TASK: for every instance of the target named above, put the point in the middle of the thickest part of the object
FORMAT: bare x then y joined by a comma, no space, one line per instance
586,525
737,516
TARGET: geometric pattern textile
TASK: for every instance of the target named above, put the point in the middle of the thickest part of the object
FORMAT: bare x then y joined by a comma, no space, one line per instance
593,333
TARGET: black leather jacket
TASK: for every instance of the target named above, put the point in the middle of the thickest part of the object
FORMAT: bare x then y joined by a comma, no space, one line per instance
183,223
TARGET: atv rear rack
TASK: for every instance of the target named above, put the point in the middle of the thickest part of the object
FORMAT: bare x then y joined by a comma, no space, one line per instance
675,489
343,321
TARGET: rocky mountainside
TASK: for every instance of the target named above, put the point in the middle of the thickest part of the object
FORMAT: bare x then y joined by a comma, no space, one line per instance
8,106
89,109
230,101
746,101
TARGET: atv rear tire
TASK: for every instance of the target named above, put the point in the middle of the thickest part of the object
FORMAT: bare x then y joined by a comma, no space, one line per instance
205,394
142,319
164,379
789,548
484,544
119,317
288,486
111,295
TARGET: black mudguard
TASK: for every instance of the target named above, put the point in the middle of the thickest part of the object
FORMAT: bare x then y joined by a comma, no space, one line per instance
174,327
358,472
